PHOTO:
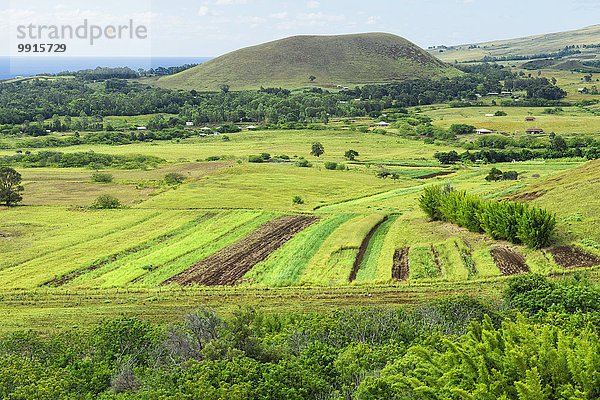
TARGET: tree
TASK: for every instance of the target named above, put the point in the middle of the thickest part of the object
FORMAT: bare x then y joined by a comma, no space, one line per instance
10,186
224,88
312,78
317,149
494,175
351,154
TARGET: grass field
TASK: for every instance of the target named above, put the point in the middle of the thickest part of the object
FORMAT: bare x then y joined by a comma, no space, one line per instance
104,262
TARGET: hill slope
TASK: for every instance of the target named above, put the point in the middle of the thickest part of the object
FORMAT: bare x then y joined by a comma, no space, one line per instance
526,46
333,60
573,195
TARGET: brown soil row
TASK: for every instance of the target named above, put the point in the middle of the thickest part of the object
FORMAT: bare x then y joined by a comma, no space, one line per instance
436,257
229,265
573,257
67,278
401,269
508,261
529,196
363,249
433,175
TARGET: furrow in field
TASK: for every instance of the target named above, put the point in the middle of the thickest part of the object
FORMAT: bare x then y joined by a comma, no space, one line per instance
372,262
285,265
228,266
363,249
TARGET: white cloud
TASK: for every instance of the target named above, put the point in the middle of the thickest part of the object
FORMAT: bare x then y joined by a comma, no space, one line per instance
279,15
313,4
203,11
373,20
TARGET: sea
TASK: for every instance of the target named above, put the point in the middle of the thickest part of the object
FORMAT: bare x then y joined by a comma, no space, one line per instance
12,67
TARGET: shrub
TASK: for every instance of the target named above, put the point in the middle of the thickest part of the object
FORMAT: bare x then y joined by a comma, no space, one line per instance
330,165
515,222
499,114
341,167
106,202
174,178
351,154
265,156
255,159
213,158
303,163
297,200
102,177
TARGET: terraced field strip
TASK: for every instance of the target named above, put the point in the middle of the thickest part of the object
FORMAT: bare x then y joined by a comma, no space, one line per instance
161,262
285,265
66,279
372,245
46,268
509,262
36,232
451,261
332,263
229,265
423,262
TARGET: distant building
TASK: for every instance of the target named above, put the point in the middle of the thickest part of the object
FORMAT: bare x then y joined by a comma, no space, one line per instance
493,94
534,131
489,115
483,131
141,128
189,124
506,93
530,118
580,90
382,124
206,128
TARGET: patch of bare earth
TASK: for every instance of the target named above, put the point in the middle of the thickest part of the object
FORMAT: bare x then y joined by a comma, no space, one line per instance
522,197
229,265
363,249
435,174
508,261
572,257
401,269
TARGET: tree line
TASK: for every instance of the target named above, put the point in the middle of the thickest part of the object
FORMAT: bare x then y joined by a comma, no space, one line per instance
519,223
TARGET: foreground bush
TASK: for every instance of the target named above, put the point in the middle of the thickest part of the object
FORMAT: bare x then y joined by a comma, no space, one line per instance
504,220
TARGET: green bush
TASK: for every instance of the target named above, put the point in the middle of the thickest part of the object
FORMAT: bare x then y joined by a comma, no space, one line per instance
102,177
213,158
297,200
174,178
106,202
515,222
303,163
330,165
255,159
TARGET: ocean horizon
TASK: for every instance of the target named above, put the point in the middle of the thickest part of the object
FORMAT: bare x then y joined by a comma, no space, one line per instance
12,67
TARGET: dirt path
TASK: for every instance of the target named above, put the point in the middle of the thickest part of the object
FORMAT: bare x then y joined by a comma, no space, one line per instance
363,249
508,261
230,264
401,269
572,257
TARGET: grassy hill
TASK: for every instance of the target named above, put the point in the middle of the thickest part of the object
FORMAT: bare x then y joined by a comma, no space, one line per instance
333,60
526,46
573,195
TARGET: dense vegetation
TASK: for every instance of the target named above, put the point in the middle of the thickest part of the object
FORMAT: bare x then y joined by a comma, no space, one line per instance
454,348
515,222
80,159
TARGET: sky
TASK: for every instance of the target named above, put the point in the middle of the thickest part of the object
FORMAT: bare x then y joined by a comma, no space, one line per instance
208,28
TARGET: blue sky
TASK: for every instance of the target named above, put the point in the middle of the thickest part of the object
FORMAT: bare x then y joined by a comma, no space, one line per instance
213,27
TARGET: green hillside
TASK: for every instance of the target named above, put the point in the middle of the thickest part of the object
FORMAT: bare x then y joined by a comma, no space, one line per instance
333,60
526,46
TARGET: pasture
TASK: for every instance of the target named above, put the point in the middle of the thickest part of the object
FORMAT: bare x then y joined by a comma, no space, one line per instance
56,251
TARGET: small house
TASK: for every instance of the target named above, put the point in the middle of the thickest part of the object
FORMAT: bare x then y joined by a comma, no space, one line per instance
506,93
493,94
489,115
581,90
206,128
141,128
189,124
529,118
534,131
382,124
483,131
